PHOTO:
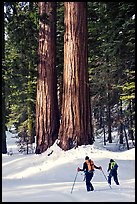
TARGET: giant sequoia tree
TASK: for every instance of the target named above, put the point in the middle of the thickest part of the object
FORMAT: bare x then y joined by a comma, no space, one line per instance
47,120
75,127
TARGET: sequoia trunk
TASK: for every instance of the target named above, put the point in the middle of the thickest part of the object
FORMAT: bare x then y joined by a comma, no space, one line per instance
47,115
75,128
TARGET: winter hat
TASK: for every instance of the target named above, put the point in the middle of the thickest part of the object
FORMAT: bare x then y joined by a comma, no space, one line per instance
111,160
86,158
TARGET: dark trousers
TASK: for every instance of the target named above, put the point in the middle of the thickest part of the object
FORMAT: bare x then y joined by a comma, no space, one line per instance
88,183
115,177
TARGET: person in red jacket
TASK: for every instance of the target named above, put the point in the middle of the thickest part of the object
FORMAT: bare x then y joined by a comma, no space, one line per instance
88,168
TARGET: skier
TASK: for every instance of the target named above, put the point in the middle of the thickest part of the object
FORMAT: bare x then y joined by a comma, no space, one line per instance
113,166
88,168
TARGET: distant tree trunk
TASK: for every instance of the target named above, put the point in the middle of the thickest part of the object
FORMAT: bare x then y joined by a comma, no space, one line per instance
126,136
108,83
29,135
130,130
121,123
75,128
103,125
109,117
100,118
47,115
4,145
121,120
104,135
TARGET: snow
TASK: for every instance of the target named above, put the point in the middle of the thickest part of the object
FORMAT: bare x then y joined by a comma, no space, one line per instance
43,178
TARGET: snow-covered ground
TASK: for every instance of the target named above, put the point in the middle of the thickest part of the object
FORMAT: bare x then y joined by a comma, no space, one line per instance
43,178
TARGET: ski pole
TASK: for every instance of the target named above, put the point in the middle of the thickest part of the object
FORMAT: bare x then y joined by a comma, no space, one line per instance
74,182
84,177
106,178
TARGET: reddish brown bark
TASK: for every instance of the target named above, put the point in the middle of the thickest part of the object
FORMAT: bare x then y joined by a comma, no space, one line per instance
75,128
47,120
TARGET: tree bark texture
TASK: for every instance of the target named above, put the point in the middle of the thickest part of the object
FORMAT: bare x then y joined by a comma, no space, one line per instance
75,127
47,115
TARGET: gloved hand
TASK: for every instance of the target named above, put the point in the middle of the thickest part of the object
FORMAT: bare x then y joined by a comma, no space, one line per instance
100,167
78,169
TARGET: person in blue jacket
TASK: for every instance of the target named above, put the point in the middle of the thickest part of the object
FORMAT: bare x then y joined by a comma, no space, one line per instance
112,169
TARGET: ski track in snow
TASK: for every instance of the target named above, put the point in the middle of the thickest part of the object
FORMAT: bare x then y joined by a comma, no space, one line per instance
43,178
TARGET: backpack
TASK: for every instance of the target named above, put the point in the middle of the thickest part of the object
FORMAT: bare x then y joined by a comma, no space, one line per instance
113,165
90,165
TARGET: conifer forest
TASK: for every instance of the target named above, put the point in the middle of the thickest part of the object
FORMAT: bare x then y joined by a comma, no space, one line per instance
68,72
